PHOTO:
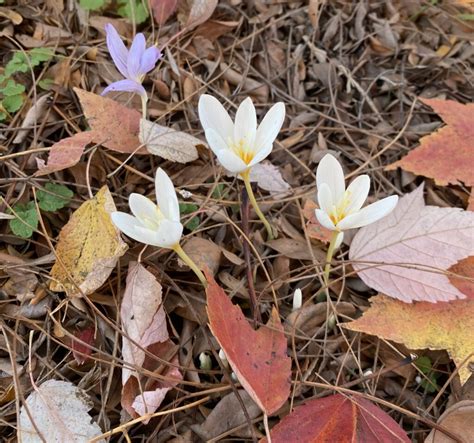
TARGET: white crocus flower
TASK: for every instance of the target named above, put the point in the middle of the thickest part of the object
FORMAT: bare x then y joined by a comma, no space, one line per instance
156,224
240,145
340,208
153,224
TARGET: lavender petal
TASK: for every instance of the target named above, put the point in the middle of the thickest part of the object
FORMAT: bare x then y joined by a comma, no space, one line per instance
117,49
149,59
134,57
126,86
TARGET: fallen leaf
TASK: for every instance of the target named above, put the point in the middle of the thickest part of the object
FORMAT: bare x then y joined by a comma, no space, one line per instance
205,253
313,227
464,276
32,118
196,12
446,155
163,9
88,248
268,178
405,254
226,415
59,411
338,418
296,249
143,317
114,126
458,420
421,325
65,153
165,142
258,358
80,349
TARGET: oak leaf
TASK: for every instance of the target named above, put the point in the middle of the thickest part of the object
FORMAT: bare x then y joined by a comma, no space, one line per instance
406,254
338,418
436,326
446,155
258,358
88,248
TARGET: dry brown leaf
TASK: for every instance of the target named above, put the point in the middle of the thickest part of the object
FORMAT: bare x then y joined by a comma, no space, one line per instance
205,253
268,178
176,146
296,249
458,419
88,248
196,12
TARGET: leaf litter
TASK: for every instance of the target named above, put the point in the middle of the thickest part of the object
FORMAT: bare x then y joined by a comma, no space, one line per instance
354,77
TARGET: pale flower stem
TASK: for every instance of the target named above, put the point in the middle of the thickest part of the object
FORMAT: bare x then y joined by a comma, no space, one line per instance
144,100
185,257
330,253
248,186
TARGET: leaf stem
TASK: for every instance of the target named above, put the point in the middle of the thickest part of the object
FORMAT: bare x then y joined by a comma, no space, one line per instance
187,259
248,186
329,255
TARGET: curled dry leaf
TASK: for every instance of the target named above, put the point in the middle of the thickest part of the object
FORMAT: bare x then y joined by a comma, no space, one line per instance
195,12
436,326
59,411
144,324
114,126
34,115
88,248
258,358
165,142
338,418
405,255
457,420
268,178
205,253
445,155
65,153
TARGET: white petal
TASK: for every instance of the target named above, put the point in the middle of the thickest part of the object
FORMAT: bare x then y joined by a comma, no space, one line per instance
369,214
166,236
261,154
231,161
166,196
339,239
143,208
357,192
270,127
214,116
325,198
215,141
245,127
324,219
132,227
330,172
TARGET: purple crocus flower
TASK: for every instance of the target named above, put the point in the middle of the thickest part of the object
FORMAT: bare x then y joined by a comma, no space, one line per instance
133,64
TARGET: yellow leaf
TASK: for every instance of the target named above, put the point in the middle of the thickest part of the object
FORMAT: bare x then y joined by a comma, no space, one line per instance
88,248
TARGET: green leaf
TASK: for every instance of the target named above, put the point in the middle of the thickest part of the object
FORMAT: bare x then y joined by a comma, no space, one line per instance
424,364
193,224
134,10
12,88
3,116
54,197
46,83
40,55
187,208
92,5
13,102
26,220
218,191
18,63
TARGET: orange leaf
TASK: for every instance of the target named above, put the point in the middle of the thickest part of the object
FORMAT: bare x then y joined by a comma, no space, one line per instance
437,326
465,270
259,357
338,418
114,126
313,227
446,155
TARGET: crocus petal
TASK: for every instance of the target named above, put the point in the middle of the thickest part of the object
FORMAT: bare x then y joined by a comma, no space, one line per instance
339,239
330,172
149,59
369,214
231,161
144,209
325,198
135,56
215,141
131,227
166,196
324,219
261,154
166,236
117,49
214,116
126,86
245,127
270,127
357,193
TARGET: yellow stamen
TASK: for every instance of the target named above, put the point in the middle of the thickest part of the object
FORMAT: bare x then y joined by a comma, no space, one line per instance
242,150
